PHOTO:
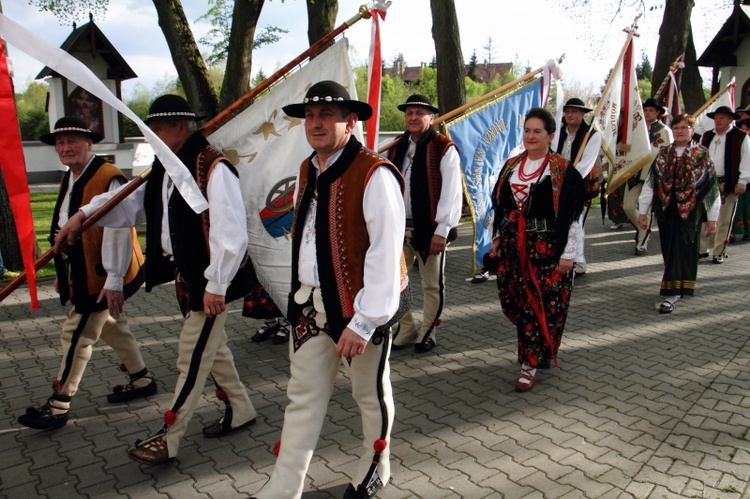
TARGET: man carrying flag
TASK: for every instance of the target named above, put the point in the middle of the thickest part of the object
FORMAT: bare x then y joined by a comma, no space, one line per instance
573,131
96,274
429,162
205,254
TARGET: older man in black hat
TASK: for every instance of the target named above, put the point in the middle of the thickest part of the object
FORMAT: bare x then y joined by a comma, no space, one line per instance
206,255
568,143
96,274
431,167
729,149
347,275
660,136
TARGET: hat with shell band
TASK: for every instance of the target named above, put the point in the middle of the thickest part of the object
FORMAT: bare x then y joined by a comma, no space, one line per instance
418,100
329,92
577,103
170,107
724,110
70,125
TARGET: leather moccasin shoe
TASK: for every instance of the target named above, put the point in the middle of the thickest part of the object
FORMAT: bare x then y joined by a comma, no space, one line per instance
217,429
124,393
425,345
151,451
42,418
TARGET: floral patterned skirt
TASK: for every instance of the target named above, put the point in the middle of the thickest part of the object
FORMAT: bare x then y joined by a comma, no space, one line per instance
614,206
741,223
517,293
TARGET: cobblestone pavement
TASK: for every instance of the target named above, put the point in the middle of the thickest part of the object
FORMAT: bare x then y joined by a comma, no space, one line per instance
643,404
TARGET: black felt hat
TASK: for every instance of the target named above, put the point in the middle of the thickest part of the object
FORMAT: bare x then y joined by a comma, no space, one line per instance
171,107
70,124
329,92
741,109
578,104
651,102
724,110
418,100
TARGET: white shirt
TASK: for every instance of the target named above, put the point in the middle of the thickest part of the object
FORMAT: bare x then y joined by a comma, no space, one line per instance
716,150
646,198
117,244
383,208
448,211
520,191
227,238
590,152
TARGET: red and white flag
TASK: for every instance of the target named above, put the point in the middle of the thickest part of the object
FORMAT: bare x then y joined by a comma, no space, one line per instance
375,74
14,172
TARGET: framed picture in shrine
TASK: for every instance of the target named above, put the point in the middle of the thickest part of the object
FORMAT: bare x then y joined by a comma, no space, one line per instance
89,108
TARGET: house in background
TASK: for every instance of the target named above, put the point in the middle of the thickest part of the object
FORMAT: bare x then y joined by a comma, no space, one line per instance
89,45
729,54
410,74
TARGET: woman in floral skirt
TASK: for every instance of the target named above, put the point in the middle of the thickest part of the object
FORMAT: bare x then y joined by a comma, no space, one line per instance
537,200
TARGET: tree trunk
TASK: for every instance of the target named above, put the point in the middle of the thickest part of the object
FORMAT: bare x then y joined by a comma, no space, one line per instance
191,68
451,86
321,19
675,39
240,51
692,83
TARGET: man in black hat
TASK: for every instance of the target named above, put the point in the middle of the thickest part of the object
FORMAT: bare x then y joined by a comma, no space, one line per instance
206,255
347,274
568,143
96,274
431,167
742,112
729,148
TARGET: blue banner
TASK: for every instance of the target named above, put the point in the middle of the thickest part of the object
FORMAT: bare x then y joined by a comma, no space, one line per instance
485,138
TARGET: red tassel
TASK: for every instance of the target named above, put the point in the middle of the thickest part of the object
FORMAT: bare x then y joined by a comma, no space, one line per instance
277,448
437,322
170,417
222,395
380,445
56,386
123,368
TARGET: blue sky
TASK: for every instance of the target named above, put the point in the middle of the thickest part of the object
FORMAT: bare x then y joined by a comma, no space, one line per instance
530,31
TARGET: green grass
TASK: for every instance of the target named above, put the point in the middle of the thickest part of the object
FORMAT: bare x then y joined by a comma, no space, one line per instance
42,208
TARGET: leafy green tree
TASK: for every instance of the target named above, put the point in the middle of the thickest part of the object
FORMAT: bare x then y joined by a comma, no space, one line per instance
644,70
70,11
32,115
472,71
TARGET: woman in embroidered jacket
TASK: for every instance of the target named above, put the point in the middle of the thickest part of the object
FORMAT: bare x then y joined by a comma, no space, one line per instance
537,200
684,192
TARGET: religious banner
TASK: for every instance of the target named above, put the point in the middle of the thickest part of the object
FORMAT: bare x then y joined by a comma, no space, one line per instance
633,148
724,97
267,147
486,137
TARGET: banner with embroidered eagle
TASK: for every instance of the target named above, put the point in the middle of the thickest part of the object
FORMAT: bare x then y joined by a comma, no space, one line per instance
267,147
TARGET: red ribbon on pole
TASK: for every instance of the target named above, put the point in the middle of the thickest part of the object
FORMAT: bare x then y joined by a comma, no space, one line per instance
374,80
14,171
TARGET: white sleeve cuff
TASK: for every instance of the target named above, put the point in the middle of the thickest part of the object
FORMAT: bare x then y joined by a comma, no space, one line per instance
217,288
114,283
442,230
362,327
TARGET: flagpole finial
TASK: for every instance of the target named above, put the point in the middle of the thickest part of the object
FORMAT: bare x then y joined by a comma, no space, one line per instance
561,59
634,26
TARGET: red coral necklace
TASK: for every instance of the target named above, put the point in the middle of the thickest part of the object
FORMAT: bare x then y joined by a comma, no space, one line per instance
526,177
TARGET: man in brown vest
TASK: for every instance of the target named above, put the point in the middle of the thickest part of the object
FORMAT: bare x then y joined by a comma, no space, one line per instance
96,274
206,255
729,148
431,167
347,274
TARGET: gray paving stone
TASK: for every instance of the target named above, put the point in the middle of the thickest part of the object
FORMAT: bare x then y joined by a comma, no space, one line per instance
644,405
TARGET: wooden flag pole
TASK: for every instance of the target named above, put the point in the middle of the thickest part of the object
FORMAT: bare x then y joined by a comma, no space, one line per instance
90,221
452,114
244,101
713,99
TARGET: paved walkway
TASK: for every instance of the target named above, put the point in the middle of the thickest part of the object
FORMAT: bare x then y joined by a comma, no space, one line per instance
643,404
